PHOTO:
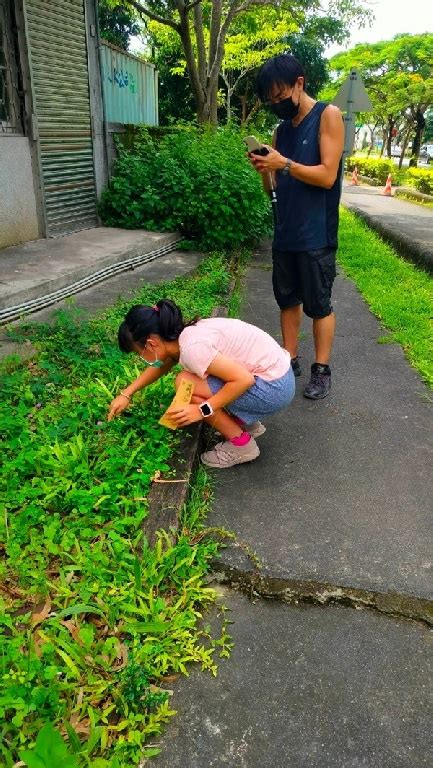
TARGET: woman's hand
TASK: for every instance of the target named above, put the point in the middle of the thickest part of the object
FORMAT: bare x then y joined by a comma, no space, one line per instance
184,415
274,161
119,404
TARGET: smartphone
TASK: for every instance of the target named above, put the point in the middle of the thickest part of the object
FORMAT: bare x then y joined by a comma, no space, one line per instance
255,147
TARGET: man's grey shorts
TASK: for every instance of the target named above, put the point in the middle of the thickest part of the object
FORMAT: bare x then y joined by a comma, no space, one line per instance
262,399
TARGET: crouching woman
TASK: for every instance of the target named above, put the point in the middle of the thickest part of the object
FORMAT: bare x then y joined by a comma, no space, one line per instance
240,374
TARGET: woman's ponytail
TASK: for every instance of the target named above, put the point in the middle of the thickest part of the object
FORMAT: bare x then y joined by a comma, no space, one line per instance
170,319
163,318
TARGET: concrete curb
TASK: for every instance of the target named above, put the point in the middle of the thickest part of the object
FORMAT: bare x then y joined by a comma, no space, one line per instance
50,292
295,591
168,496
365,180
422,257
415,194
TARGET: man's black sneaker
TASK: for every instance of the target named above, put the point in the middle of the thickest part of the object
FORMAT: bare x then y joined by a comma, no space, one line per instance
296,368
320,382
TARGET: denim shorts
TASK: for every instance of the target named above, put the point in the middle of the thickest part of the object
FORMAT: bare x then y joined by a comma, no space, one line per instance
262,399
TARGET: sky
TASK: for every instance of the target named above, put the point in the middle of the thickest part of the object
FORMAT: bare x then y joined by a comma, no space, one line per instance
392,17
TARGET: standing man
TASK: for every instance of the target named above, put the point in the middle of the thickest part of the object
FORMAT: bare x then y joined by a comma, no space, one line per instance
305,162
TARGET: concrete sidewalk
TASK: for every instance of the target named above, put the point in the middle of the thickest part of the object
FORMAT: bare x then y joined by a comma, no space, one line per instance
338,510
407,226
96,298
34,271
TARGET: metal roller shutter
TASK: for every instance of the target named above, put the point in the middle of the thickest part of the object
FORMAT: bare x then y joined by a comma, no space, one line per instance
56,33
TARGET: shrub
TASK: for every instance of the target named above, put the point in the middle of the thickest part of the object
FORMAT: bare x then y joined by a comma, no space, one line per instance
421,179
193,180
375,169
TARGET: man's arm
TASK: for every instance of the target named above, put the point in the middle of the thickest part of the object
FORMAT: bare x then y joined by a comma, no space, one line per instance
331,149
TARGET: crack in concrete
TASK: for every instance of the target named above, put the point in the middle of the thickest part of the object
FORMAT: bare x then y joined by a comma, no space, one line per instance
294,591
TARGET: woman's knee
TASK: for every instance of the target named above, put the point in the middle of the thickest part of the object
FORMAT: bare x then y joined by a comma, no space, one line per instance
201,387
184,376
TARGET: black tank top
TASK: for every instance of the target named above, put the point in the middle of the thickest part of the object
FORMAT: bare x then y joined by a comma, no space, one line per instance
308,215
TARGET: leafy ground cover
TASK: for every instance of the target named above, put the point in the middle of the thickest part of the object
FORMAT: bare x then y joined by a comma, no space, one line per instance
92,620
399,294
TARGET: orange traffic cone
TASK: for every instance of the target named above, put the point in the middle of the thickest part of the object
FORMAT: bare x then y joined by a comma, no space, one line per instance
355,181
388,188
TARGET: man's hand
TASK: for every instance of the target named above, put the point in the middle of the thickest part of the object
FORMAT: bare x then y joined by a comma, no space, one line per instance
119,404
267,163
184,415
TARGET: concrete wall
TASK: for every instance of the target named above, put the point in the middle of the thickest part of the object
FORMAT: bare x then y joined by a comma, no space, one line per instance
18,213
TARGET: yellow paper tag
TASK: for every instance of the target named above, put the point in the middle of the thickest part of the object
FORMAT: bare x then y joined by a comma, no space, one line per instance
182,397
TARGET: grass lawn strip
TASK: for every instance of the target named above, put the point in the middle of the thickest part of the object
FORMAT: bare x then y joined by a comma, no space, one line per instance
399,294
91,619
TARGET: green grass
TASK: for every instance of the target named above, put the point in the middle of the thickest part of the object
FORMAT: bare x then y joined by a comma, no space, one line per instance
399,294
92,619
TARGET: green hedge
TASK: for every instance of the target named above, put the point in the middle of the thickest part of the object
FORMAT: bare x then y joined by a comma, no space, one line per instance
193,180
421,179
375,169
378,170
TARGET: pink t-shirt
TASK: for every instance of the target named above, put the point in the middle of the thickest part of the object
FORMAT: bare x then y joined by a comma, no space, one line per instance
243,343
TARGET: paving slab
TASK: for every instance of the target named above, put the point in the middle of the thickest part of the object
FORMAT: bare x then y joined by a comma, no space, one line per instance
307,687
40,267
95,299
408,226
342,491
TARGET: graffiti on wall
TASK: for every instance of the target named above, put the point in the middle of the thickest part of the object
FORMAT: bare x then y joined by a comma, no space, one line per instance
130,88
123,79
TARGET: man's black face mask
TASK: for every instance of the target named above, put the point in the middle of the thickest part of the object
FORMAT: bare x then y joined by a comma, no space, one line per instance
285,109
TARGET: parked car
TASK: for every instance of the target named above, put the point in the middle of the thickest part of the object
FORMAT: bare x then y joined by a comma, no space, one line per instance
395,151
426,153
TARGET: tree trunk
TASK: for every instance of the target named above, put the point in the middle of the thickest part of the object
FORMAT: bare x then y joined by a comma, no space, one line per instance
229,105
372,132
403,149
391,124
420,125
203,71
371,147
243,100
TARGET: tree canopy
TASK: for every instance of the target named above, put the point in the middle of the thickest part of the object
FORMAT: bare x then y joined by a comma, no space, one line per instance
204,26
117,23
398,75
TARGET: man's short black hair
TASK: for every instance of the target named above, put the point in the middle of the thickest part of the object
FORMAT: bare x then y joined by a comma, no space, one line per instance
280,70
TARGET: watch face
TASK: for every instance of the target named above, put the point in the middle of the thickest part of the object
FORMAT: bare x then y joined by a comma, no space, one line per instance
206,409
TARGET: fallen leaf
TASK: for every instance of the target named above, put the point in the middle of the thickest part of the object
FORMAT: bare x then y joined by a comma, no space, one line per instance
74,630
38,618
169,678
82,727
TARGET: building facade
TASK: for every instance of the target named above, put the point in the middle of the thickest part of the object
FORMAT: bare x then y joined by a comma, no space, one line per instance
53,132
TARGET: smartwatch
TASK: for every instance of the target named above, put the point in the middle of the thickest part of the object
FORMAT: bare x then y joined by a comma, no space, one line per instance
286,170
206,410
